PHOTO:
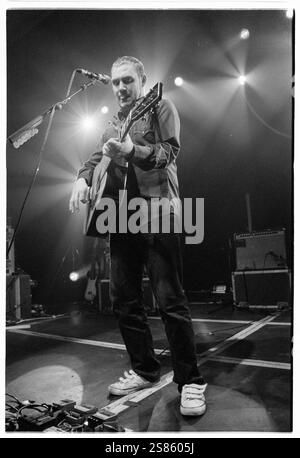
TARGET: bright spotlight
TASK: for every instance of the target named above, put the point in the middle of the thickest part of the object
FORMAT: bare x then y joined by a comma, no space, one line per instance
74,276
104,109
289,14
244,34
87,123
242,79
178,81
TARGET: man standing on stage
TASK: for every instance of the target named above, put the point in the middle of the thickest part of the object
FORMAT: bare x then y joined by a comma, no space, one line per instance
150,148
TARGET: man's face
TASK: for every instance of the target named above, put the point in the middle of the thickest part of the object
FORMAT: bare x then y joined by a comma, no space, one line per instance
127,84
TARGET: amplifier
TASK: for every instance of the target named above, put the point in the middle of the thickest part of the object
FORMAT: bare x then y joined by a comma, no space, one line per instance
262,288
18,297
105,305
260,250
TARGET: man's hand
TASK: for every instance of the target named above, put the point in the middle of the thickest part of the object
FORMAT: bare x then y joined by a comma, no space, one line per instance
80,193
118,150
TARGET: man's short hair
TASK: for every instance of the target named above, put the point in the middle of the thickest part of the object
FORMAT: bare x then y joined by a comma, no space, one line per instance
139,66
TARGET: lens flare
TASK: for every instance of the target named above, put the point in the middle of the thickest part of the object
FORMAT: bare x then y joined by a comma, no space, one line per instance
244,34
74,276
242,79
178,81
88,123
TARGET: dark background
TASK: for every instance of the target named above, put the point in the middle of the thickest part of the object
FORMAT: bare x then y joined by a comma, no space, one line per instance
235,139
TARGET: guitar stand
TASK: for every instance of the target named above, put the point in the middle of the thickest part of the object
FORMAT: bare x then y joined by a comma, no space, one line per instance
92,308
222,304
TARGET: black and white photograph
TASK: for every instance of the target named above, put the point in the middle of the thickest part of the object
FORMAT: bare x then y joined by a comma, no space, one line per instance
149,222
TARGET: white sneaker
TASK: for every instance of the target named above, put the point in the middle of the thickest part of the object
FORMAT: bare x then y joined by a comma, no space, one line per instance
130,383
193,399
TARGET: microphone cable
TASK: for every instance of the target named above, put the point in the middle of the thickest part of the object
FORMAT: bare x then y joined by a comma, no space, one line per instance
36,171
57,106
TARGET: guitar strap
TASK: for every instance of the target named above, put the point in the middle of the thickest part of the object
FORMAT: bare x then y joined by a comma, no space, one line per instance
156,123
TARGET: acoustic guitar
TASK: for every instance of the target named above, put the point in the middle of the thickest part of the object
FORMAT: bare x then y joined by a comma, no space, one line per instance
91,287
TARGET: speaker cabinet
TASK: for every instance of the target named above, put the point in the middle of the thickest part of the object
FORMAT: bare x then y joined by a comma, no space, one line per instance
260,250
262,288
18,297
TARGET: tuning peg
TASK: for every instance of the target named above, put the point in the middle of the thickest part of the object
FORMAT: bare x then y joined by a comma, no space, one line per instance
114,125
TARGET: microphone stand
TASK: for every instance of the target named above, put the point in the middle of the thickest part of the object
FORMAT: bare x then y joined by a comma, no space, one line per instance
57,106
71,82
27,128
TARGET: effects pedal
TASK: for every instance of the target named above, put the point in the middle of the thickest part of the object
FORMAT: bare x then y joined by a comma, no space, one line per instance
106,415
56,410
53,414
78,415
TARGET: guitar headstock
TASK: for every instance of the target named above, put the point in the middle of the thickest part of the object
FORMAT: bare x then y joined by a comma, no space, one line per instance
148,103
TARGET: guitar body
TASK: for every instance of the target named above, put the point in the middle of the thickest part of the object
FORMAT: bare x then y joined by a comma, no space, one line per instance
99,268
91,290
110,177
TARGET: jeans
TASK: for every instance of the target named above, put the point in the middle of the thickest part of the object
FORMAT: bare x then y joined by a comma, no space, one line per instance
161,255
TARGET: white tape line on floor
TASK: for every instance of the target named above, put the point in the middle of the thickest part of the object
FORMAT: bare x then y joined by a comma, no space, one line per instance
93,343
167,378
252,362
212,320
120,404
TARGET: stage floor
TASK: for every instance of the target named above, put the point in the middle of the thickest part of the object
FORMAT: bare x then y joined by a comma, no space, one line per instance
245,356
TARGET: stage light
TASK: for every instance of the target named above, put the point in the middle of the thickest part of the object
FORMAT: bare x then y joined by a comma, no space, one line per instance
242,79
244,34
87,123
178,81
289,14
74,276
104,109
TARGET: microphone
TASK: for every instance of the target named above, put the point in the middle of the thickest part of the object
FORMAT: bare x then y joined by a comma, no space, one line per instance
105,79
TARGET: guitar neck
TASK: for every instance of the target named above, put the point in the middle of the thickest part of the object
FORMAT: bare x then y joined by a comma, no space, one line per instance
146,104
125,128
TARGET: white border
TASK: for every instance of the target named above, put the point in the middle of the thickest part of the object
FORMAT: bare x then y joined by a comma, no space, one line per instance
140,4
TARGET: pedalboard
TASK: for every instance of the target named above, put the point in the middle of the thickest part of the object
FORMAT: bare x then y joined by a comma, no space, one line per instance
62,416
